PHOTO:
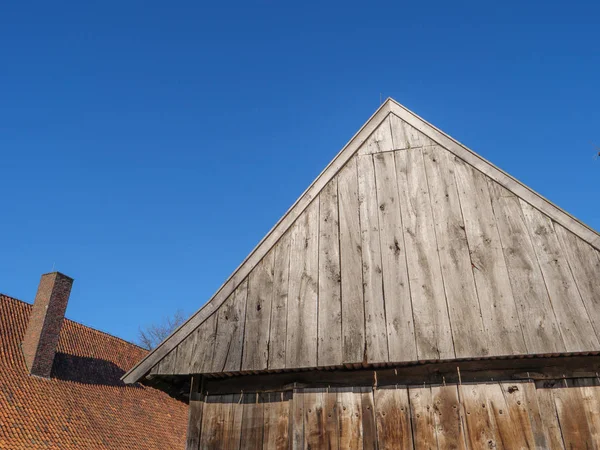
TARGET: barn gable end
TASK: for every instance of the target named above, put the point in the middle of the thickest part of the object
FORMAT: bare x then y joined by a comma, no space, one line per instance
408,247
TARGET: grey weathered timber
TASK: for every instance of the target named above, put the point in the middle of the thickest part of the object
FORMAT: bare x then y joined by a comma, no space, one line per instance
203,349
229,340
498,309
584,262
375,322
353,315
573,320
404,136
330,306
397,295
278,332
301,348
380,141
432,324
258,315
459,284
194,414
540,329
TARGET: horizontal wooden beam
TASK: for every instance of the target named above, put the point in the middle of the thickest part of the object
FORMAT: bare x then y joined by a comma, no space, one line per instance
540,368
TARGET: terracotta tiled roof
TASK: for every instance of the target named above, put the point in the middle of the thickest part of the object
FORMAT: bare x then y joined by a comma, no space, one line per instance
84,405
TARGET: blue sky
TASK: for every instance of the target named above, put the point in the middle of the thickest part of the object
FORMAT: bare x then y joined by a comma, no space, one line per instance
146,147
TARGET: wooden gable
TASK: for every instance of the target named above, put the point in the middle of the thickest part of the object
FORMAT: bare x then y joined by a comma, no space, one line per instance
409,247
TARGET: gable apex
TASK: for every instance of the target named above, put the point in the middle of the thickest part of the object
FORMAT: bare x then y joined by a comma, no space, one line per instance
390,129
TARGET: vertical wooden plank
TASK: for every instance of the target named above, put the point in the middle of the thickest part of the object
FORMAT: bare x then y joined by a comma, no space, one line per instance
229,340
258,315
511,422
233,429
375,322
379,141
277,336
405,136
351,435
459,284
423,420
330,307
353,314
301,348
540,328
252,423
314,424
528,397
571,416
330,416
204,342
549,417
432,323
297,420
481,429
573,320
276,421
448,423
584,262
393,419
194,414
521,421
398,307
369,426
589,392
215,415
494,291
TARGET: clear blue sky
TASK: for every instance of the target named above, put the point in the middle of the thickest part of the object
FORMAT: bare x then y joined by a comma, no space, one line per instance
146,147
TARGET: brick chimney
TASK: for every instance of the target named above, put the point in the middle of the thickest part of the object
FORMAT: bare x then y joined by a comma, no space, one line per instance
45,322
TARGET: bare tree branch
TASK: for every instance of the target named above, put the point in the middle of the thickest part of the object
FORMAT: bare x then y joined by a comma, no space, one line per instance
150,336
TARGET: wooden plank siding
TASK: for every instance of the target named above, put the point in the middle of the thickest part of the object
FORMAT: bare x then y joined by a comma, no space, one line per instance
407,253
502,415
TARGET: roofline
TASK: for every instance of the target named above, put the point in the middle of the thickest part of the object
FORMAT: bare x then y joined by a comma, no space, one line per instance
390,106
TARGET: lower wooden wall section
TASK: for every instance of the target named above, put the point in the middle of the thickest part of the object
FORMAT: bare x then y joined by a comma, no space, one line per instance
561,414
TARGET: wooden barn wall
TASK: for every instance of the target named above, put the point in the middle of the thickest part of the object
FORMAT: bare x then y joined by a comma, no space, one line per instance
506,415
407,254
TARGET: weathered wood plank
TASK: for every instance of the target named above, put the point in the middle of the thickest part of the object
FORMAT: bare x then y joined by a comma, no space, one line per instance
522,415
398,307
276,421
301,348
575,326
330,417
459,284
549,417
480,426
278,333
572,418
448,423
204,342
528,397
379,141
375,322
314,424
194,414
498,309
297,420
540,328
215,415
353,313
584,262
258,315
350,415
393,419
252,423
423,421
589,391
330,307
229,340
506,418
369,425
404,136
233,425
432,323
